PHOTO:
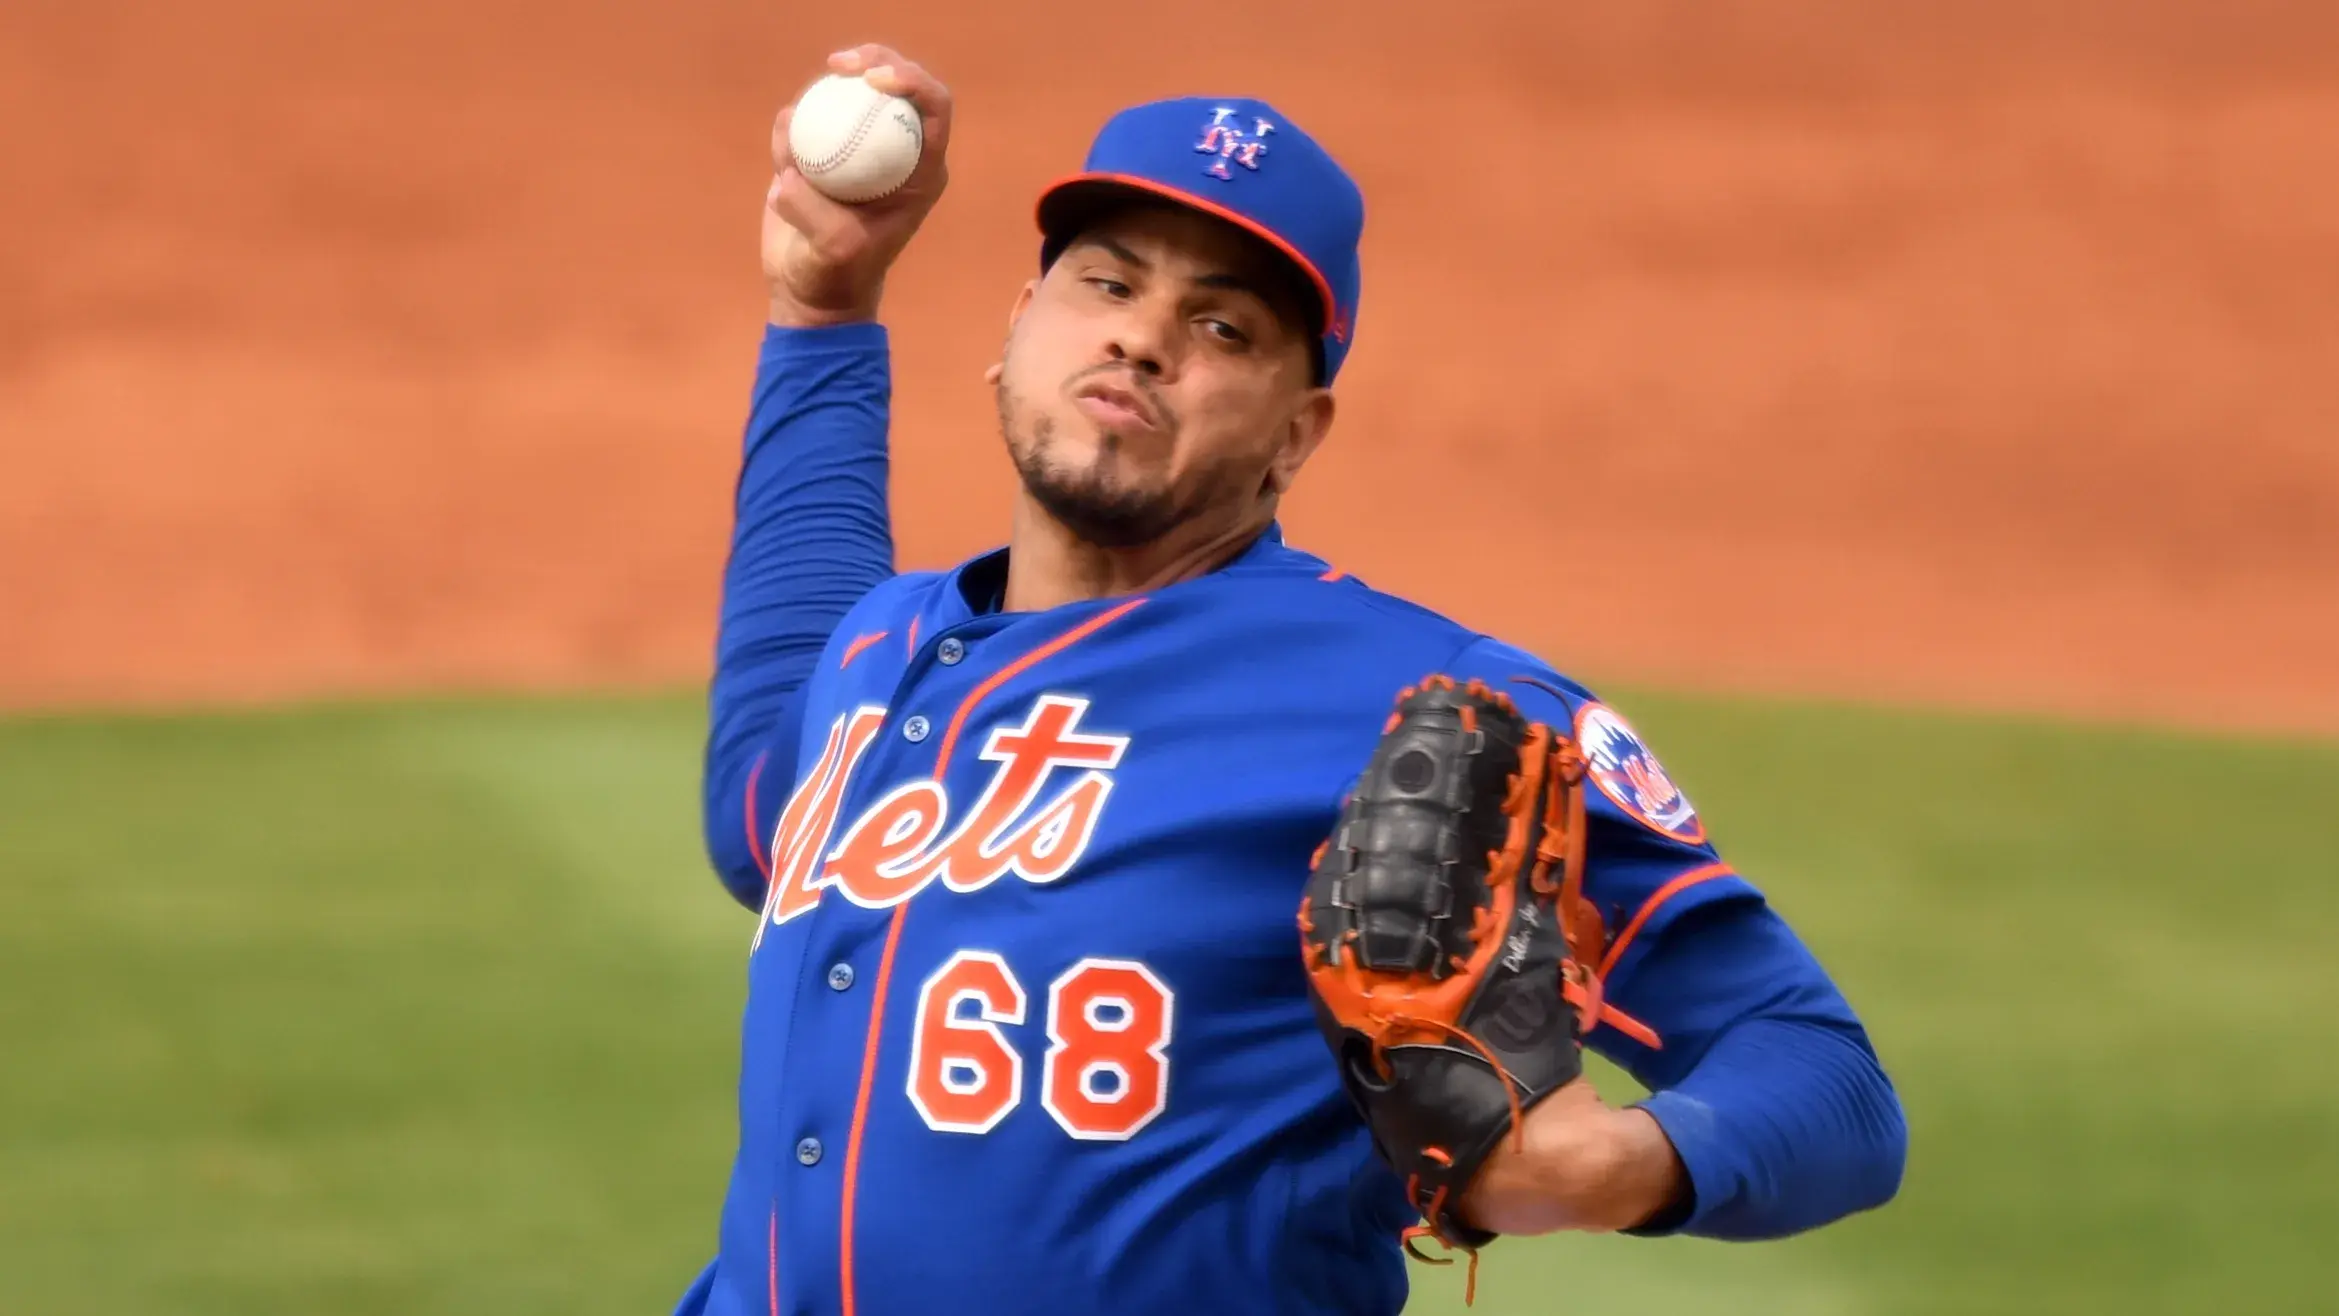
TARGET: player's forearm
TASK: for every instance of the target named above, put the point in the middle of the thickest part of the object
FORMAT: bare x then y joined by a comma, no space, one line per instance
1771,1113
1583,1165
811,534
1784,1125
1766,1086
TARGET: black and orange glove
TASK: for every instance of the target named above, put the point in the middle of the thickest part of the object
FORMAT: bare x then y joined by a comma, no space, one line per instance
1437,933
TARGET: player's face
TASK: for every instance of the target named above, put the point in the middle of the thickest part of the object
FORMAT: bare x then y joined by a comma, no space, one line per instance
1160,376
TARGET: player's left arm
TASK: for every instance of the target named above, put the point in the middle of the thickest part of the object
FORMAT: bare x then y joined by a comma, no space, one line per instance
1769,1111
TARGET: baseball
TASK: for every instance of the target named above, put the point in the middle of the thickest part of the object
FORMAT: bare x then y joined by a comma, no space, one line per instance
853,142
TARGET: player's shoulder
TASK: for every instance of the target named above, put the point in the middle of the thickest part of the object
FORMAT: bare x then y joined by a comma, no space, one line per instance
1291,583
899,596
1305,606
1623,764
1527,676
885,608
1464,650
1295,587
1620,760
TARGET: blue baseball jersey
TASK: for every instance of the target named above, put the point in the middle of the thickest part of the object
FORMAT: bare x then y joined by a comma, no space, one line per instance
1027,1026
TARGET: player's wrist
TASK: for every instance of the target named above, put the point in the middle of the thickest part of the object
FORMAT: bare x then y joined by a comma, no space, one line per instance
1584,1166
1643,1177
790,312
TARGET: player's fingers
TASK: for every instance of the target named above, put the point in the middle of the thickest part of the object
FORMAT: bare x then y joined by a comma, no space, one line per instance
797,201
828,224
858,59
887,71
906,78
783,155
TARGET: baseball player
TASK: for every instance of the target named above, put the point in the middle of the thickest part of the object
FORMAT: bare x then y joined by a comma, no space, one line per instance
1151,917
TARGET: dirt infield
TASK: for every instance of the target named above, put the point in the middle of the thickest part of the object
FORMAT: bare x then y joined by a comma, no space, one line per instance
1981,352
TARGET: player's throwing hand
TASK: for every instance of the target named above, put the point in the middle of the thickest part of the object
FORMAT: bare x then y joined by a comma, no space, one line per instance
824,260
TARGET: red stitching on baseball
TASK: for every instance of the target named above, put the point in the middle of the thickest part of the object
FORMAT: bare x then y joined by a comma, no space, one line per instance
860,131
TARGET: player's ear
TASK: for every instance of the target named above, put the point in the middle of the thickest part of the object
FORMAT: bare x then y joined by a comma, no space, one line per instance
1309,423
1031,288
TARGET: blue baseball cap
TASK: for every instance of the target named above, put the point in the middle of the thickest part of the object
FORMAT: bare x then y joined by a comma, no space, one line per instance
1242,161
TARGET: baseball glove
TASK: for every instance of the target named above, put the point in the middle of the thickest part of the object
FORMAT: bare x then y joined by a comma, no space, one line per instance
1447,940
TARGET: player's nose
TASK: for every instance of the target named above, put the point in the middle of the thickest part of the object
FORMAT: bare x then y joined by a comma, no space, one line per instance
1139,342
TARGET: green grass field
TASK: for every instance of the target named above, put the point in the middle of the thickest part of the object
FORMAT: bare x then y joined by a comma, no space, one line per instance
431,1008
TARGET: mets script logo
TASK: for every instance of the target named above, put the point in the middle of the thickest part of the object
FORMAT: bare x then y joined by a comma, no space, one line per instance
912,837
1226,139
1626,772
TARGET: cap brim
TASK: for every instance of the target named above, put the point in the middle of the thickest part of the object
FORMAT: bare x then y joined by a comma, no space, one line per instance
1072,201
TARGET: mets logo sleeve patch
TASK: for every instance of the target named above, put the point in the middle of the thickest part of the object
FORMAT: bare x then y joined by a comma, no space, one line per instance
1627,772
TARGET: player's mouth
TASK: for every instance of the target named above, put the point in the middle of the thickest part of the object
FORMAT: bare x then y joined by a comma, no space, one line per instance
1114,407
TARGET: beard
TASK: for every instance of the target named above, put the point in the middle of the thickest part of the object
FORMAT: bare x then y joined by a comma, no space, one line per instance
1094,502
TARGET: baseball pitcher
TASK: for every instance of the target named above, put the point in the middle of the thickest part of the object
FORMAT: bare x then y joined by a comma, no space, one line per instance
1151,917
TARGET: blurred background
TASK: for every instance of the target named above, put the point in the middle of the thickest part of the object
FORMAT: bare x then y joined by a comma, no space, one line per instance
1920,417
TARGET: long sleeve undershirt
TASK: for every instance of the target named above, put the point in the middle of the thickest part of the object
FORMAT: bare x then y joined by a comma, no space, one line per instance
1767,1086
811,535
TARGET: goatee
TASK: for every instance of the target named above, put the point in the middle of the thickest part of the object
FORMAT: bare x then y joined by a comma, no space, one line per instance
1087,502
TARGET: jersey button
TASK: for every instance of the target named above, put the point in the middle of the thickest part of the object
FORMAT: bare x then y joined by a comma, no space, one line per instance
915,730
950,651
840,976
808,1151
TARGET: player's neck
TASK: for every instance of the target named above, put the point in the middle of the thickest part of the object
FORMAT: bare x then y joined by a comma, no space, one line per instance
1048,566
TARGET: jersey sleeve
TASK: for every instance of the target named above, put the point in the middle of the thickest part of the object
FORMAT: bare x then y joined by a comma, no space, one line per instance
743,786
811,536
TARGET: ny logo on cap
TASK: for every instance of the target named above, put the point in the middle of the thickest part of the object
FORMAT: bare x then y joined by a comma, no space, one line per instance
1229,142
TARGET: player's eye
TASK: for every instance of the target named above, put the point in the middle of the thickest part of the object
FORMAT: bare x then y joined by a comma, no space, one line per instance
1226,333
1113,288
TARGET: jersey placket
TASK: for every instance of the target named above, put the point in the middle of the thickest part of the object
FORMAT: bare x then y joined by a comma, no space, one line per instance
844,988
939,707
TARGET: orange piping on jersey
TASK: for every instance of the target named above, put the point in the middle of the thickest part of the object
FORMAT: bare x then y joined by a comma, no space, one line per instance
1017,668
754,842
1333,574
901,911
859,643
772,1262
861,1102
914,639
1650,906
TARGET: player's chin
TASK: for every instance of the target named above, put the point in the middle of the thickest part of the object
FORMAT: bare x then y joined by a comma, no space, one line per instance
1100,509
